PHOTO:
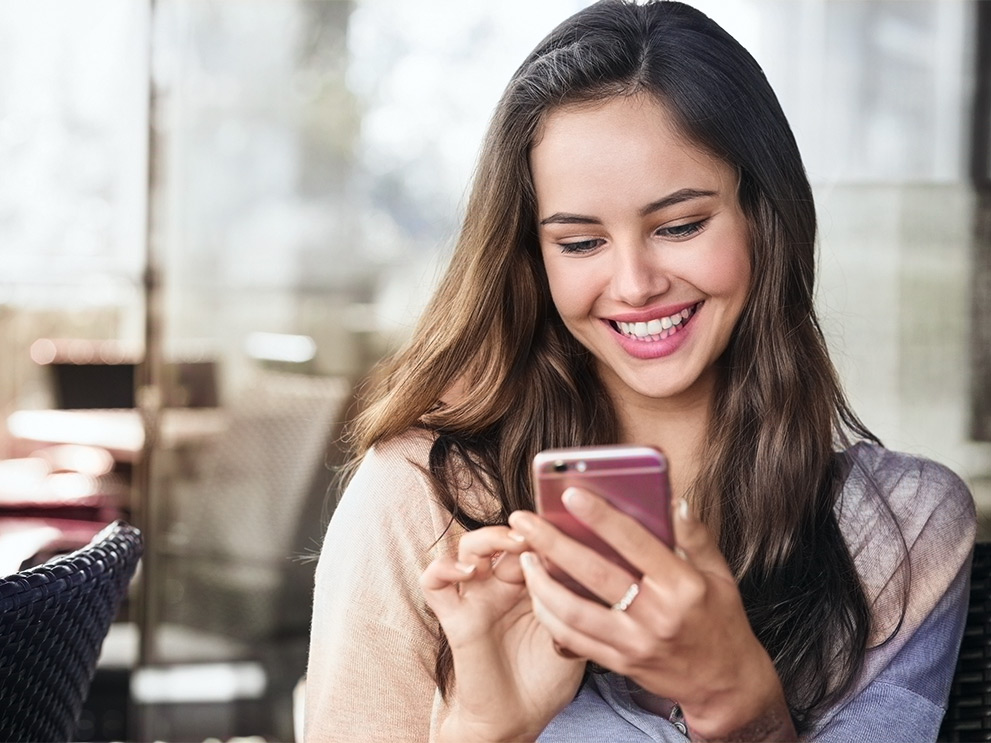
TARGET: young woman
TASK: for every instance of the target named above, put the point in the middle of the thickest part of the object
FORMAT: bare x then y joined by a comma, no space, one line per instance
636,266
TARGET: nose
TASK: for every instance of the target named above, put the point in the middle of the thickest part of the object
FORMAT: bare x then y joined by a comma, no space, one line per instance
638,275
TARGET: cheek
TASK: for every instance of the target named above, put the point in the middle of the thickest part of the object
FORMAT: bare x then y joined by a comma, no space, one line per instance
727,272
732,280
571,289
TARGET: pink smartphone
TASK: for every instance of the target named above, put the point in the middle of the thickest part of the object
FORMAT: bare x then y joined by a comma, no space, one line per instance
632,478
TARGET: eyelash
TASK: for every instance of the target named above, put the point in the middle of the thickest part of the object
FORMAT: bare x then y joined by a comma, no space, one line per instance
678,232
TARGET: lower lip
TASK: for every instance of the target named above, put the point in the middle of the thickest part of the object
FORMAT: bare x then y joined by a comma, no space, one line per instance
647,349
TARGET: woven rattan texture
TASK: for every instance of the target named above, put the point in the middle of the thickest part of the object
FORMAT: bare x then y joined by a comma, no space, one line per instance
53,619
968,714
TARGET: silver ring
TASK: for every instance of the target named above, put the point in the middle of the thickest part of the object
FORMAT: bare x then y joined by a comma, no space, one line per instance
631,593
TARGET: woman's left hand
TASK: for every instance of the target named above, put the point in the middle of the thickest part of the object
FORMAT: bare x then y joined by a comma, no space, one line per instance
684,636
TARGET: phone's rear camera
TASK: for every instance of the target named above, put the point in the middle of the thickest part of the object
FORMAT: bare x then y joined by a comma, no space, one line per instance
560,466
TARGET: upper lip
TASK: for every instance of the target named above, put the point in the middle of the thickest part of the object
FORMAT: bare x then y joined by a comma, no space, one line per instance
652,313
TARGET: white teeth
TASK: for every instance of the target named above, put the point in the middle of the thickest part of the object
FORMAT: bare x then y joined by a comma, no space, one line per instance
658,328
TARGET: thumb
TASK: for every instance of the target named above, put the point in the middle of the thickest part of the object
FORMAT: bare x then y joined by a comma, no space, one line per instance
695,542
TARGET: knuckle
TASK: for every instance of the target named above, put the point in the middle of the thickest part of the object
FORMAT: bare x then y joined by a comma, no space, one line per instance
466,545
571,614
693,589
666,627
479,542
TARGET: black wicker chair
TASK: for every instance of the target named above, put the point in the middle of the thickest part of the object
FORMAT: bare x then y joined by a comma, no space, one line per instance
968,713
53,620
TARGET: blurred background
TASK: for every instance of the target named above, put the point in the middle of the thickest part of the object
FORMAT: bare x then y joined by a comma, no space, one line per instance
216,215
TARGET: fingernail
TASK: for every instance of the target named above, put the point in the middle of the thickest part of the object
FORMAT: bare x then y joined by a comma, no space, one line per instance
683,513
466,569
526,560
517,537
576,501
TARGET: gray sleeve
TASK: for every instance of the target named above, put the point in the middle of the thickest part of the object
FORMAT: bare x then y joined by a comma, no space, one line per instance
906,701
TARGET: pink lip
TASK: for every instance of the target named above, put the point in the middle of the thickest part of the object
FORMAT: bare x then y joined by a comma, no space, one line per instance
653,349
653,313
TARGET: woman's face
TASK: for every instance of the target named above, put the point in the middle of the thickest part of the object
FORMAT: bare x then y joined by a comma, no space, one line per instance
644,243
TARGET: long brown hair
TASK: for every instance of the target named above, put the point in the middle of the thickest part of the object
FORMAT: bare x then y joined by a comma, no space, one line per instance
522,383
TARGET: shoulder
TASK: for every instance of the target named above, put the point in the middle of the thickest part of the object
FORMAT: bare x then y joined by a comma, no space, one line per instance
399,461
396,474
922,496
407,450
394,488
910,524
391,488
909,482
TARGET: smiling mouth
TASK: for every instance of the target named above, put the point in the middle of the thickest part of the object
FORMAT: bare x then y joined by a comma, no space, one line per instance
657,329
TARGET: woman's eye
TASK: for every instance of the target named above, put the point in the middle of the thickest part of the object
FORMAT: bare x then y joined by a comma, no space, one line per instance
681,231
580,246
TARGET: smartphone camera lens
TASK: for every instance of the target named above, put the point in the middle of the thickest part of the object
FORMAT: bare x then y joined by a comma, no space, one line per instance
560,466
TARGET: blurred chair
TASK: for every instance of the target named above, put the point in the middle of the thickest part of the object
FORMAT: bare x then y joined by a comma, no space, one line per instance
53,619
250,507
191,384
241,523
88,373
968,711
93,385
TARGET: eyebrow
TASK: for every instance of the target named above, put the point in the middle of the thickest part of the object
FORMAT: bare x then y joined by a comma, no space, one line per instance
685,194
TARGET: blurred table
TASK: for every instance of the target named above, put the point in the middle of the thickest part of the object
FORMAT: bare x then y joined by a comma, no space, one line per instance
44,508
119,431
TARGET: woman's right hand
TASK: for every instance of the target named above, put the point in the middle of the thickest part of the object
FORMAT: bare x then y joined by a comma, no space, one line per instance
509,681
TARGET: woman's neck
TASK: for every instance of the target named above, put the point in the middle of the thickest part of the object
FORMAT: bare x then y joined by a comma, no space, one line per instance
676,428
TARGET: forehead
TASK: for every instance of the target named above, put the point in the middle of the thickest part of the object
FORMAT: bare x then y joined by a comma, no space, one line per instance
614,147
642,103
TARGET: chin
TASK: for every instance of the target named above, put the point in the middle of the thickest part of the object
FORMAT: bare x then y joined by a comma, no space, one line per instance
657,391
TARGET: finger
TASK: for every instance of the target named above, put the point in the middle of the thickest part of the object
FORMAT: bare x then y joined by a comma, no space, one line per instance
628,538
631,539
600,575
507,568
695,541
575,624
482,547
440,583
